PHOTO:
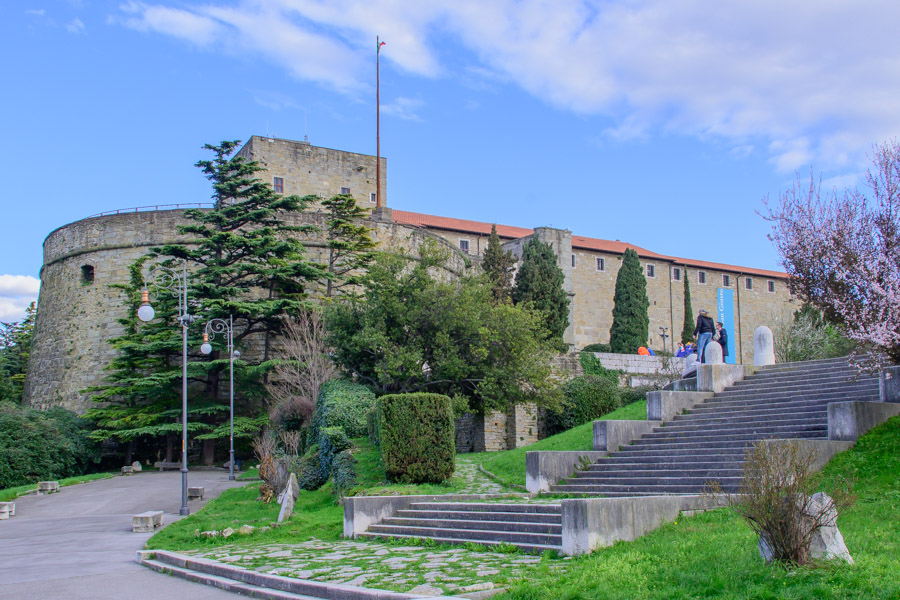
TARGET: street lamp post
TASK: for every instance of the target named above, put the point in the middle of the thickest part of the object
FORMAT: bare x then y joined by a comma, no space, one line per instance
166,278
213,327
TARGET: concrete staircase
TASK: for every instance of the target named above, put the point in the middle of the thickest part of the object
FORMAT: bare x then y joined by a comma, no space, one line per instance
531,527
676,460
708,443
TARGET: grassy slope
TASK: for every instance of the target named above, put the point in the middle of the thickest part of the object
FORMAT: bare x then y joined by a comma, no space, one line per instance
715,555
509,466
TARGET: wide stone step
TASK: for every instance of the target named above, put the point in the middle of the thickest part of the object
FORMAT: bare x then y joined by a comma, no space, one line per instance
630,464
546,518
226,583
450,539
741,408
632,489
716,441
610,474
805,391
488,507
511,537
505,526
651,481
736,429
812,413
661,454
734,433
742,423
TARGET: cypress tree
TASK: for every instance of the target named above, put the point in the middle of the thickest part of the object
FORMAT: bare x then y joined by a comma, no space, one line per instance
498,266
540,281
687,331
631,322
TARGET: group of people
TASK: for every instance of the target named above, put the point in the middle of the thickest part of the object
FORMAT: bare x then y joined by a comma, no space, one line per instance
705,332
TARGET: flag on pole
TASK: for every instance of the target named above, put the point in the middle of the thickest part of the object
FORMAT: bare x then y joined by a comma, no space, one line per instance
380,44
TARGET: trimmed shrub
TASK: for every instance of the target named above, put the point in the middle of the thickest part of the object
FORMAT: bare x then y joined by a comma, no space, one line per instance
629,395
39,445
343,473
344,404
592,366
587,397
597,348
332,441
306,468
417,437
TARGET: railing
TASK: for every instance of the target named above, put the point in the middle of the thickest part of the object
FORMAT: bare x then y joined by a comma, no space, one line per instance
154,208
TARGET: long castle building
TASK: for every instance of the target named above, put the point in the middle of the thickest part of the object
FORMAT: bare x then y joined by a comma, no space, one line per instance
78,311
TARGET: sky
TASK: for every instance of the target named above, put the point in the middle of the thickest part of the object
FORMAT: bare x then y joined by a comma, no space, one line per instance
663,123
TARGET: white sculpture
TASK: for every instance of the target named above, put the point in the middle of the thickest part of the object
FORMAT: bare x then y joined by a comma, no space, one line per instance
712,354
763,347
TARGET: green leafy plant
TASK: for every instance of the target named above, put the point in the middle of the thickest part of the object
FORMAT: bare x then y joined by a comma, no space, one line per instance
417,437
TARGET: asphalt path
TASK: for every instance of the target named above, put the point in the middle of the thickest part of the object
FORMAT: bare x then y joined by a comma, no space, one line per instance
78,544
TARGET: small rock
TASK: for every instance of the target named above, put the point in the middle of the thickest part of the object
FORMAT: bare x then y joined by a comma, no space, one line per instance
265,529
228,532
209,534
426,590
487,572
246,529
136,465
477,587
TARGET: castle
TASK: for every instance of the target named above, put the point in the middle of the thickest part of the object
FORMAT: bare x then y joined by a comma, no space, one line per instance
77,310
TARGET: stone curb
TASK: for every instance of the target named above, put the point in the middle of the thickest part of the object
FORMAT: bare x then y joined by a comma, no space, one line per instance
212,573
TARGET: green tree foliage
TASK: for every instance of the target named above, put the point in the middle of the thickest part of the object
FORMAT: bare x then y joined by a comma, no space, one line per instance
631,322
15,346
498,265
408,332
809,336
39,445
586,398
246,261
350,245
540,282
416,433
687,330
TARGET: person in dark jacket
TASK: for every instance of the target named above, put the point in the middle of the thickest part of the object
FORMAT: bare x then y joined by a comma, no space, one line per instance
723,338
704,331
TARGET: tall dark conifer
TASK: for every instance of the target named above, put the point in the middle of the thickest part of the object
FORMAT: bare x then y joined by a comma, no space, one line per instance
687,330
498,265
350,245
540,281
631,322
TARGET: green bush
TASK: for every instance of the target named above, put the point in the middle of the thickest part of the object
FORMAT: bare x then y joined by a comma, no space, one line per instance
306,468
344,404
592,366
38,445
629,395
587,397
343,472
332,441
597,348
417,437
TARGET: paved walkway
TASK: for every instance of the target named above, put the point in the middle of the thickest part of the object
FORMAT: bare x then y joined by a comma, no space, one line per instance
78,544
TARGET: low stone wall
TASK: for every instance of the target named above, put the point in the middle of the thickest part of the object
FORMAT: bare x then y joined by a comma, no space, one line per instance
496,430
635,364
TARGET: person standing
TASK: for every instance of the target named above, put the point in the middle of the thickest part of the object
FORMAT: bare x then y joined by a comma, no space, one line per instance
722,338
704,331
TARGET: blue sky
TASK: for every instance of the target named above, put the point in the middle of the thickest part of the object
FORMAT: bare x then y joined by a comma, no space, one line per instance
659,122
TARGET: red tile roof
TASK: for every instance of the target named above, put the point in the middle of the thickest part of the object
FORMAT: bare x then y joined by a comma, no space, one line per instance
506,231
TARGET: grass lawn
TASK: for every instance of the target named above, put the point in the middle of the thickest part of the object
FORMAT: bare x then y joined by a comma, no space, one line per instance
509,466
715,555
14,492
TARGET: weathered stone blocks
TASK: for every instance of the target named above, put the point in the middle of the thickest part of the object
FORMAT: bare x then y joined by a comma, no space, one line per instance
146,522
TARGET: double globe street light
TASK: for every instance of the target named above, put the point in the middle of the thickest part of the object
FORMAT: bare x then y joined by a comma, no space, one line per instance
166,278
222,326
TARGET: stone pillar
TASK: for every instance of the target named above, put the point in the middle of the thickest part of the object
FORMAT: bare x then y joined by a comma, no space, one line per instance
490,432
713,354
763,347
522,425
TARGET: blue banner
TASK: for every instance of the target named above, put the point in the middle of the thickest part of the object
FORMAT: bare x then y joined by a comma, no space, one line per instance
725,314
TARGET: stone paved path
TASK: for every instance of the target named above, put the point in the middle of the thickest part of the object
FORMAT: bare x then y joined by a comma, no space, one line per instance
476,481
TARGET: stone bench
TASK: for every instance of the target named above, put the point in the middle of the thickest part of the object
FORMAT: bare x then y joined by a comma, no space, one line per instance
9,508
127,470
4,513
146,522
47,487
196,493
166,465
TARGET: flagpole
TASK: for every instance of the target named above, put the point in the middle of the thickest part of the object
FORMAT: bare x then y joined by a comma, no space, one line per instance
377,122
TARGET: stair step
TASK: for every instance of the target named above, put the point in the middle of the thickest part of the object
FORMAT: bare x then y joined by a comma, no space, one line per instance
615,464
504,526
532,548
659,489
814,413
487,507
726,424
671,479
548,518
703,433
632,474
725,441
511,537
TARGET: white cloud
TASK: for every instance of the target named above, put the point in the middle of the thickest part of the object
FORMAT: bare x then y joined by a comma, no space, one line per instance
16,293
403,108
808,81
40,12
76,26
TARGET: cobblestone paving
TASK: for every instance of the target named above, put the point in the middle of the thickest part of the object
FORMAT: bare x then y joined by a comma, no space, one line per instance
416,569
476,481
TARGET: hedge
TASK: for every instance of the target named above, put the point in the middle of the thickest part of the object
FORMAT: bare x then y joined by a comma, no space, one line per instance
343,472
416,432
586,398
344,404
597,348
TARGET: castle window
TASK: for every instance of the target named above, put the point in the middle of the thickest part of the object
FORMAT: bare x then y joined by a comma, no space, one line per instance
345,190
601,264
651,270
676,274
726,280
87,274
701,277
464,246
573,261
372,197
771,287
278,185
748,283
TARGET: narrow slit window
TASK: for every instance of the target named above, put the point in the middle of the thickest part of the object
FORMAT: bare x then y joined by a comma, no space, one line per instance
771,287
748,283
601,264
676,274
726,280
87,274
701,277
651,270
